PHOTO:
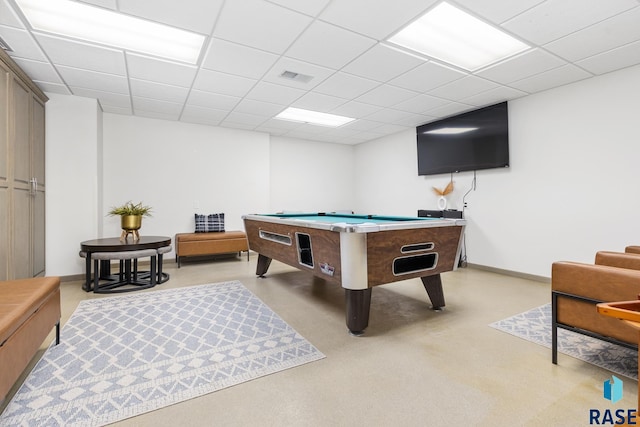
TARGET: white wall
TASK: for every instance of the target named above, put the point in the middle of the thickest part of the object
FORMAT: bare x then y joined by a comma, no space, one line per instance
572,188
311,176
72,197
180,169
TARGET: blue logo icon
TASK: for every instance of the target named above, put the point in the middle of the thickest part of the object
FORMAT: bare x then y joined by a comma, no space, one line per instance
613,389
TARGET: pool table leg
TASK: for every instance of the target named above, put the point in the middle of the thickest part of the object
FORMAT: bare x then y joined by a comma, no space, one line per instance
358,303
433,285
263,265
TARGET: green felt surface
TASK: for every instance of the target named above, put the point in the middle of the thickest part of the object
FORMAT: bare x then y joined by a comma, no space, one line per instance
349,219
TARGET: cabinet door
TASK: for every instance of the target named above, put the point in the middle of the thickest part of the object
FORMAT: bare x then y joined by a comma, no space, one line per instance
20,265
21,261
38,201
4,128
5,246
37,151
20,134
4,172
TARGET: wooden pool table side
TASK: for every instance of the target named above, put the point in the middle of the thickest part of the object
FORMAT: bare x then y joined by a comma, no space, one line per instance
360,261
385,246
324,244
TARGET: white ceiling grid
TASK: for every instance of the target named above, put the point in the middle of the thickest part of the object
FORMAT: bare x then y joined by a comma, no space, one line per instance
237,81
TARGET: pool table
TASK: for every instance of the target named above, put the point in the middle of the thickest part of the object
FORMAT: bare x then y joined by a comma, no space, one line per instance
359,252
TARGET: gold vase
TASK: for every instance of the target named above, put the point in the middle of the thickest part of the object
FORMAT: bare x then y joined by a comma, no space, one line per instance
130,224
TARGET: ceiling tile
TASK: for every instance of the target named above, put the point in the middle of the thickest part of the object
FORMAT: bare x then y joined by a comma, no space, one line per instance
83,55
107,4
412,120
355,73
382,63
200,115
384,95
269,92
615,59
388,115
420,104
355,109
259,108
22,44
346,85
271,130
557,18
116,110
53,87
237,59
263,28
329,45
519,67
427,76
361,125
552,78
157,115
449,110
106,98
463,88
308,7
152,105
225,84
200,98
494,96
8,16
424,118
374,18
280,124
160,71
318,74
37,70
611,33
318,102
251,120
162,92
498,11
94,80
177,14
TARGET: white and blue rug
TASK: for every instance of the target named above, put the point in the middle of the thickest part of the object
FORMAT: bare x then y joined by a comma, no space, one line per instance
126,355
535,326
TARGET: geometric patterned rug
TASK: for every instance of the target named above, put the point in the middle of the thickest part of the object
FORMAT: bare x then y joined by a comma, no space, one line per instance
535,326
122,356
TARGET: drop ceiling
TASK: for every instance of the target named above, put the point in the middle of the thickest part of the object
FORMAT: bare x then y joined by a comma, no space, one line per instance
340,44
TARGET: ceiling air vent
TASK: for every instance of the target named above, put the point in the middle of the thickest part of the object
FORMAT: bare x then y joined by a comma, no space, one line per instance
5,46
291,75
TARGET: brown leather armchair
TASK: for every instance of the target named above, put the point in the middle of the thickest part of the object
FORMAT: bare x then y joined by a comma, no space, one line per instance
576,288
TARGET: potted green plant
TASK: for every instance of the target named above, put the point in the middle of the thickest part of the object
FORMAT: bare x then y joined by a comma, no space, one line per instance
130,217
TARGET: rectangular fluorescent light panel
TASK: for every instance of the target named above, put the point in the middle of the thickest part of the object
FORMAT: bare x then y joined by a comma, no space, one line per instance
313,117
453,36
94,24
450,131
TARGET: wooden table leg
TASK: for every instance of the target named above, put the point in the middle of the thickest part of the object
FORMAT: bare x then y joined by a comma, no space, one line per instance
358,302
433,285
263,265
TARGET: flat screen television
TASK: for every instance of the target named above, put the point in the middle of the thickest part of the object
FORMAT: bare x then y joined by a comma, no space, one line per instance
470,141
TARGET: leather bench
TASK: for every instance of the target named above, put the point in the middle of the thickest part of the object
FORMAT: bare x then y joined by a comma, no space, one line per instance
214,243
29,309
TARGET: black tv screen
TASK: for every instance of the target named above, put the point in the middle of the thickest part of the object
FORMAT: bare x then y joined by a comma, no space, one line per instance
470,141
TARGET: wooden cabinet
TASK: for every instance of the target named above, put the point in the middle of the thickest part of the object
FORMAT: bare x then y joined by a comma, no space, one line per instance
22,174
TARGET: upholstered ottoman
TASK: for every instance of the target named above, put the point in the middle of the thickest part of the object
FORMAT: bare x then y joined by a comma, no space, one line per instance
29,309
199,244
